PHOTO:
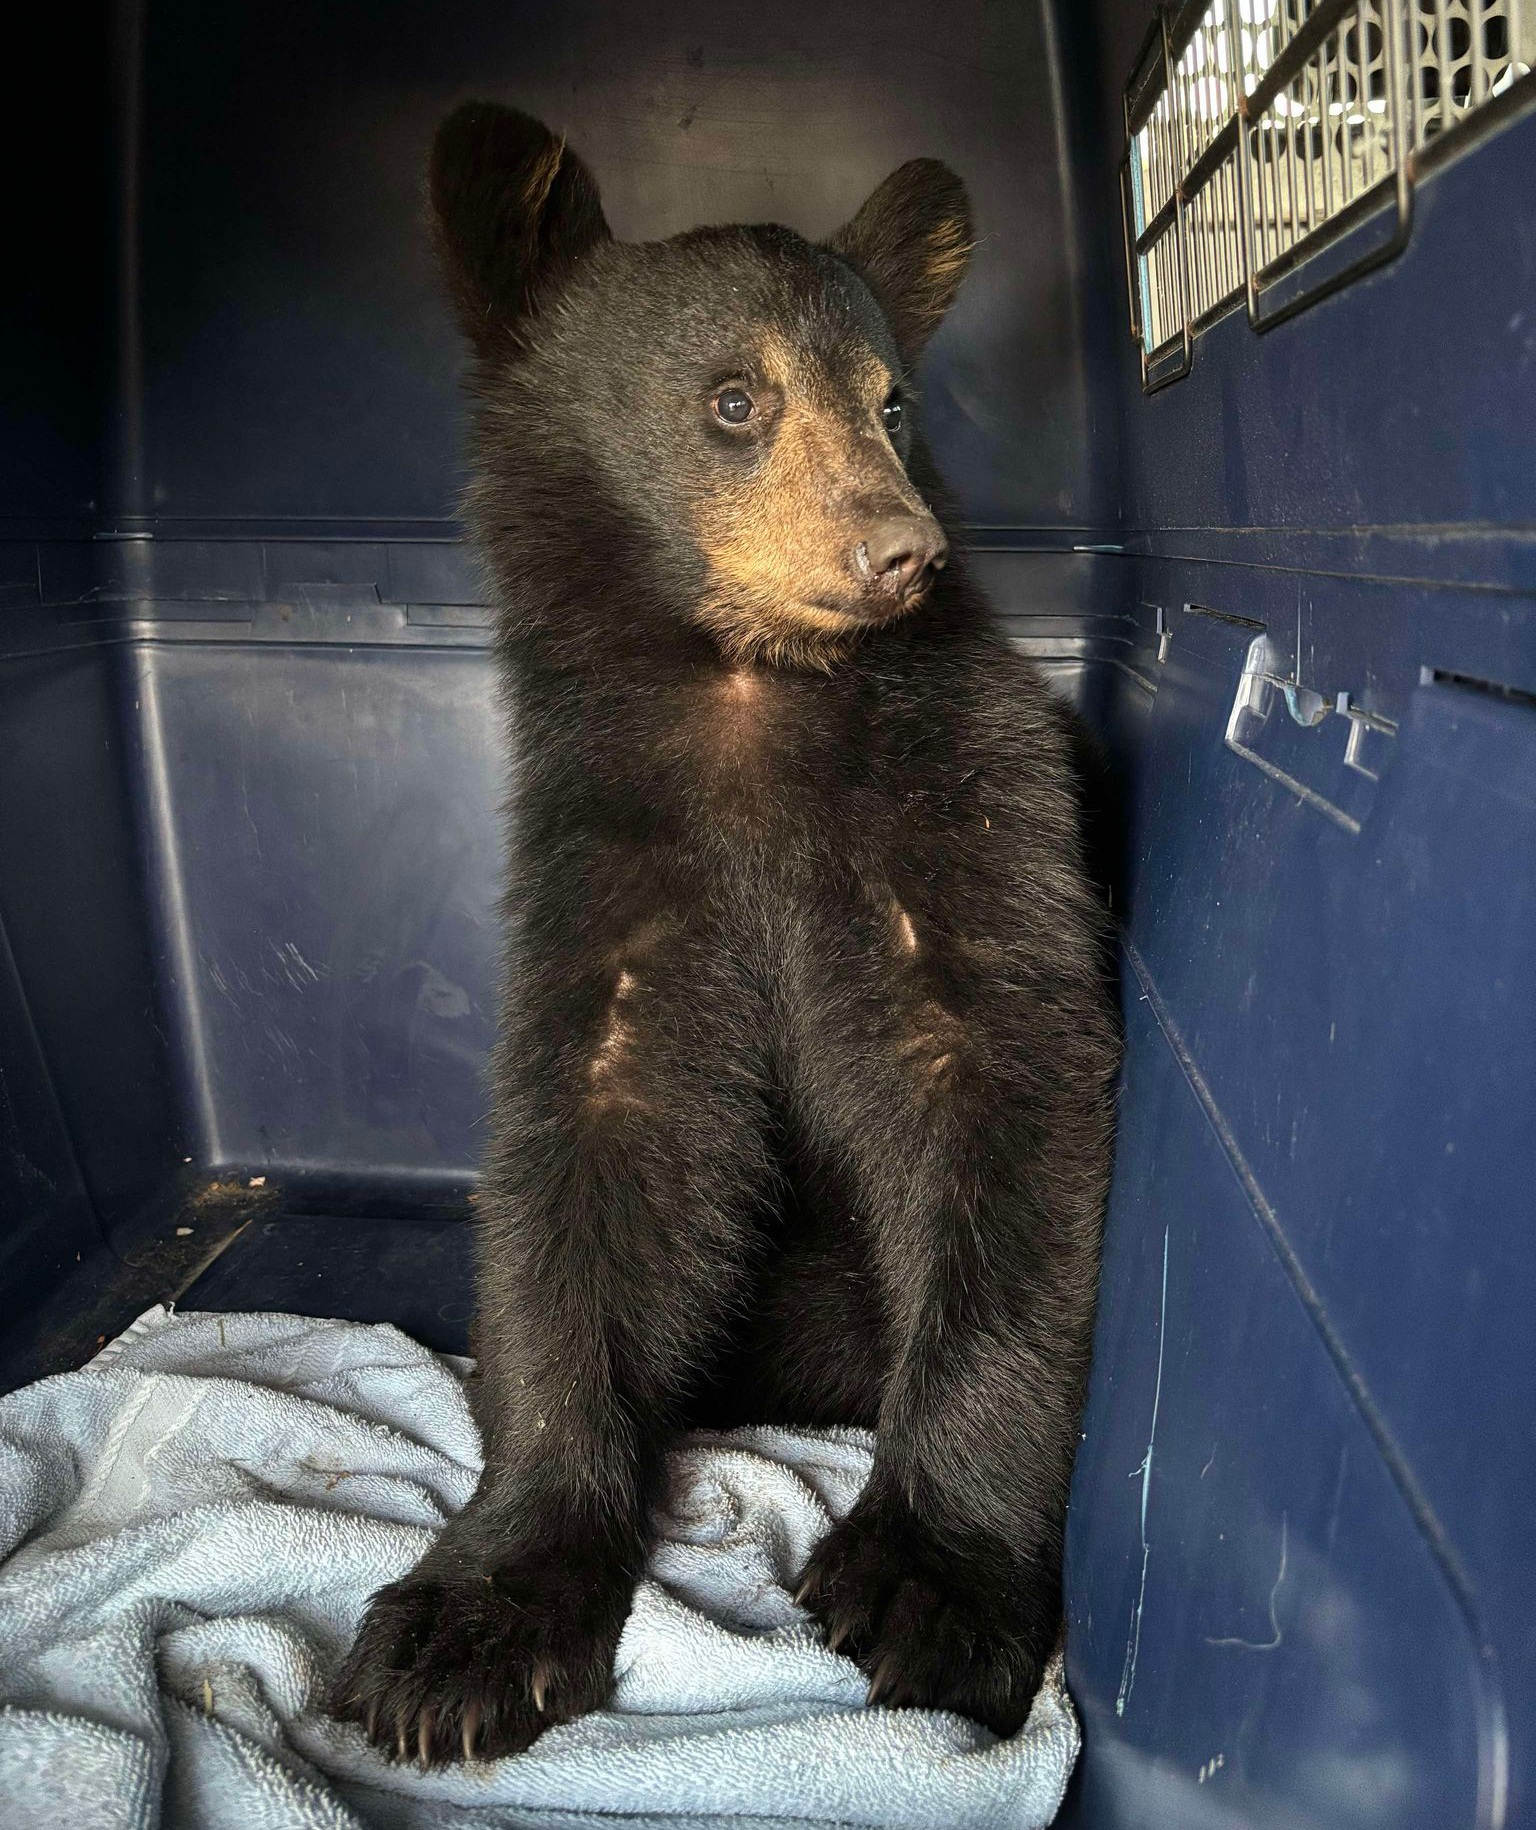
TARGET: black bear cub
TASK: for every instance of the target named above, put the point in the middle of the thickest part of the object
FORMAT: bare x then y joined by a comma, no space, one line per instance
802,1091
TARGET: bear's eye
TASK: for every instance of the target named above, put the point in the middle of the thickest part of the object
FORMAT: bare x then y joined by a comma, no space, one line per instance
734,407
891,412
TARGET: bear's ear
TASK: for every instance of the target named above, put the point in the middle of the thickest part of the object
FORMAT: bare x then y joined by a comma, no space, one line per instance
911,242
514,210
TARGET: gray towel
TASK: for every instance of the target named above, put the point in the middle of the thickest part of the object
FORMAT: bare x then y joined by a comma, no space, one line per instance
191,1524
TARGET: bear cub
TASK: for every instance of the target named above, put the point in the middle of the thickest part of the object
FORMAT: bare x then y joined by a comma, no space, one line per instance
801,1093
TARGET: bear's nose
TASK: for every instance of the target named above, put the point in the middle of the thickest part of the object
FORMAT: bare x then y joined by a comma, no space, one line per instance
898,552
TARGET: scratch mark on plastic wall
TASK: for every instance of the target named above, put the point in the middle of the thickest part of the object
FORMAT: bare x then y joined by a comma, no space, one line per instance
1133,1638
1338,1499
1276,1631
296,970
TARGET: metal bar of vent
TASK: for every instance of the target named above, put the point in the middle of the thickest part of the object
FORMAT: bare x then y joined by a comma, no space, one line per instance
1479,90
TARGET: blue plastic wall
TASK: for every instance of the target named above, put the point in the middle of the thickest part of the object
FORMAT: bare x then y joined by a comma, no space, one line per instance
1301,1567
250,763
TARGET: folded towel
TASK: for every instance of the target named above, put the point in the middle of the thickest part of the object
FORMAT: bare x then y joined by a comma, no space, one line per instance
191,1524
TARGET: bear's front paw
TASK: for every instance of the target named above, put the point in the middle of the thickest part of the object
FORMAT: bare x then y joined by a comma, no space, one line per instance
931,1632
475,1668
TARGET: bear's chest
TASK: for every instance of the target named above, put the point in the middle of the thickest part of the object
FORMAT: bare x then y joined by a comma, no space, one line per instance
783,753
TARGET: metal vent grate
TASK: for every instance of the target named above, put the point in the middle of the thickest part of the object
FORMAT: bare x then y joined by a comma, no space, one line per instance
1259,130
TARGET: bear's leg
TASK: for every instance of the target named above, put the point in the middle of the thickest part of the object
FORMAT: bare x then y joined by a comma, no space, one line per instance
617,1220
972,1118
811,1345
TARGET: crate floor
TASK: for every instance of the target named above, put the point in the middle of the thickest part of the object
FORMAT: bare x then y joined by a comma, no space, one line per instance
417,1274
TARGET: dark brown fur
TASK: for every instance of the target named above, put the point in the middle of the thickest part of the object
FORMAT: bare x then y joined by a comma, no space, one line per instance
801,1098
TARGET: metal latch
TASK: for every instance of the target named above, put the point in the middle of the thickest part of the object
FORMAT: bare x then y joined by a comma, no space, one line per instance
1262,687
